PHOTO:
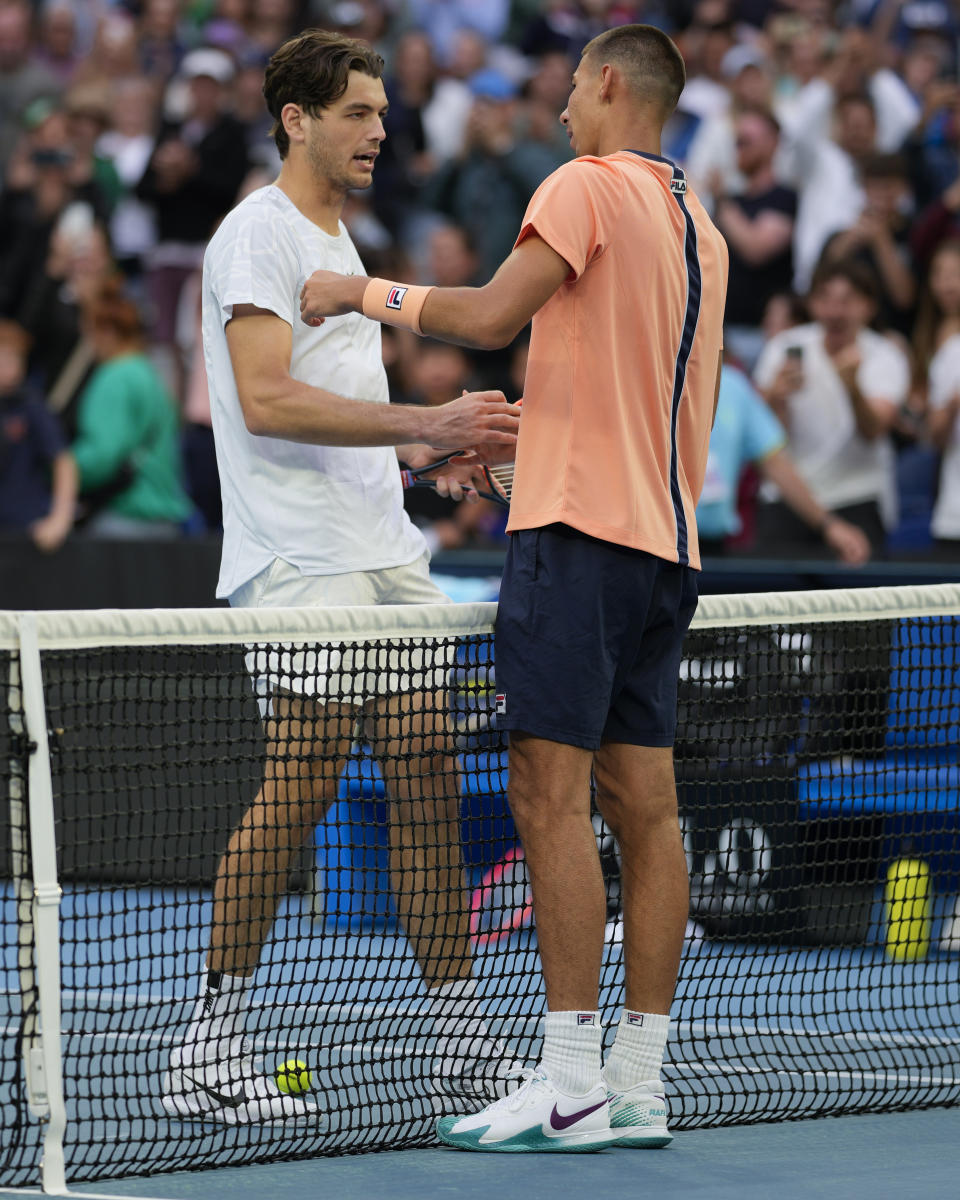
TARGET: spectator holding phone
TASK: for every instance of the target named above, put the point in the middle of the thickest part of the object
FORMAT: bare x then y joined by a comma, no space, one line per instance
837,387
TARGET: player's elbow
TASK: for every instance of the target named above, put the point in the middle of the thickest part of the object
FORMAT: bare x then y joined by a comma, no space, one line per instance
495,332
261,403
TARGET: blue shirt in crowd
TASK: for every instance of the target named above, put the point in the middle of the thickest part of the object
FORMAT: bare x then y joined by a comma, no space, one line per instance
744,431
30,439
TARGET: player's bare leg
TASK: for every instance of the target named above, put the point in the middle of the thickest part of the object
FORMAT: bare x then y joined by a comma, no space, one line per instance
637,797
549,794
307,748
563,1104
636,793
411,738
213,1074
412,744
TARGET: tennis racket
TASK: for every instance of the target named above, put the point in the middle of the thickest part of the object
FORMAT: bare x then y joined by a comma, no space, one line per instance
499,479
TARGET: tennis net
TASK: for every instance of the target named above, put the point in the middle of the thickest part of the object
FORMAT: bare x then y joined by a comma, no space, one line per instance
818,767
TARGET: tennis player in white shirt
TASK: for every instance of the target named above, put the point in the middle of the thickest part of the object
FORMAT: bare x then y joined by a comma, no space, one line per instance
307,447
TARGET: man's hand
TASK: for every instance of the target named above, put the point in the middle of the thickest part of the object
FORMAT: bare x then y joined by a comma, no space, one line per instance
846,363
480,421
327,294
788,379
848,542
50,532
461,478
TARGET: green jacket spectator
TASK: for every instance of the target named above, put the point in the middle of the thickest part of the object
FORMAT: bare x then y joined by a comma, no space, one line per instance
127,449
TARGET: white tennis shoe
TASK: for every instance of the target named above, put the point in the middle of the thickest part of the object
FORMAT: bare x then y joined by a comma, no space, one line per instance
235,1090
537,1116
638,1117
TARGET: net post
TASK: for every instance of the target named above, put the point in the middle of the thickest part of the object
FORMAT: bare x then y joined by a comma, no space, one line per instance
44,1069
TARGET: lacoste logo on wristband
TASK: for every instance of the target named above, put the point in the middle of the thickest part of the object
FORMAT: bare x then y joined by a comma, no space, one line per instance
395,297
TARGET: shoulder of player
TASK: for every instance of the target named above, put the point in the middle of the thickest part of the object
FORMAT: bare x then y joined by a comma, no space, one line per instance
587,173
586,167
260,217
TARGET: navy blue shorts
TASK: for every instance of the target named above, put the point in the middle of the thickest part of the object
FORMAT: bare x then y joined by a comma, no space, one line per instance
589,638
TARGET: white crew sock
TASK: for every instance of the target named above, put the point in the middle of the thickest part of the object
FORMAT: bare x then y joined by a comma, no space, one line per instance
572,1050
457,1018
637,1052
219,1016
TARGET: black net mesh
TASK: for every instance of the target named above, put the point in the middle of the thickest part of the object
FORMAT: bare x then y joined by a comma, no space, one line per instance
363,791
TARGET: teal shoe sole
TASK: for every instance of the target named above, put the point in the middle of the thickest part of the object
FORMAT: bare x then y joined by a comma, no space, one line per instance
531,1141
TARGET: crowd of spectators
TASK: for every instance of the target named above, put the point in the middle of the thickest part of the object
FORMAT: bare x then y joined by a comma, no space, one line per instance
823,137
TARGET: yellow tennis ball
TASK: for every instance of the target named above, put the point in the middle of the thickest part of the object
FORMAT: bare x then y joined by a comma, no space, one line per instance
293,1077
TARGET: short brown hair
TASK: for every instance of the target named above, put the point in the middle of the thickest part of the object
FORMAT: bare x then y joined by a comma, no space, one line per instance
648,58
860,277
311,70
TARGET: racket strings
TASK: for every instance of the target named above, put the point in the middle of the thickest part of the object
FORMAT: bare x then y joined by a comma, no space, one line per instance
503,476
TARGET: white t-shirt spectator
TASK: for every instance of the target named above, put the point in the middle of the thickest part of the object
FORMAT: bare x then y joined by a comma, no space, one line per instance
944,380
325,509
838,465
830,196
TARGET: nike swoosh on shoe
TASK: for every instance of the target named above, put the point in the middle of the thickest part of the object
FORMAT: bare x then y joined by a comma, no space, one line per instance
236,1100
559,1121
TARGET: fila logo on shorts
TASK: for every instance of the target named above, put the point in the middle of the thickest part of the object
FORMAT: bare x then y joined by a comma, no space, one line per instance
501,703
586,1019
395,297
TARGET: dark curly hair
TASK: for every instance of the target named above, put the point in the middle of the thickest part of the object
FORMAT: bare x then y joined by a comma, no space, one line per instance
311,70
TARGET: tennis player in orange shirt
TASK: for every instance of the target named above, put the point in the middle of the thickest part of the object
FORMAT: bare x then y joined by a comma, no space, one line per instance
624,276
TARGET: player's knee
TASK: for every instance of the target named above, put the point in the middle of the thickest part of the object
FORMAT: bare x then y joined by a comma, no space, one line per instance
630,815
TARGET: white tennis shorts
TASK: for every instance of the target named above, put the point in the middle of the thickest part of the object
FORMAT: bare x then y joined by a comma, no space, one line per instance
352,673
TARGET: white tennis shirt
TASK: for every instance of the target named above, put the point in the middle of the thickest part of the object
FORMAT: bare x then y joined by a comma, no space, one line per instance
325,509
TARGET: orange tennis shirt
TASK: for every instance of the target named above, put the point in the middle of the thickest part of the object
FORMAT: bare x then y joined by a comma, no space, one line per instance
622,369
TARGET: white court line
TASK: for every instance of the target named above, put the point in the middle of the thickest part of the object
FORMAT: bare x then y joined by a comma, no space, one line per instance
402,1047
865,1035
397,1048
383,1012
891,1075
87,1195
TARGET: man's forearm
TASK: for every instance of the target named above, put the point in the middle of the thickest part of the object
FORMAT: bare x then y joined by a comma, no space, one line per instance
460,315
297,412
63,498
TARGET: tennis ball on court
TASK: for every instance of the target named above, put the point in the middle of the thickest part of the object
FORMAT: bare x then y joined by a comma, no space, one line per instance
293,1077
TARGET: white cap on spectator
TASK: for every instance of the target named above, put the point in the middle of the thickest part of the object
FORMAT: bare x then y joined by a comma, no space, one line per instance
738,58
214,64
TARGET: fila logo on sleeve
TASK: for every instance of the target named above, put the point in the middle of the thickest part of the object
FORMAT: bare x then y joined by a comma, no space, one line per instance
395,297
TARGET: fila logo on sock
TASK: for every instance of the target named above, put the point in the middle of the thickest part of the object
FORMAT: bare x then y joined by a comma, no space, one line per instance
395,297
501,703
586,1018
634,1018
